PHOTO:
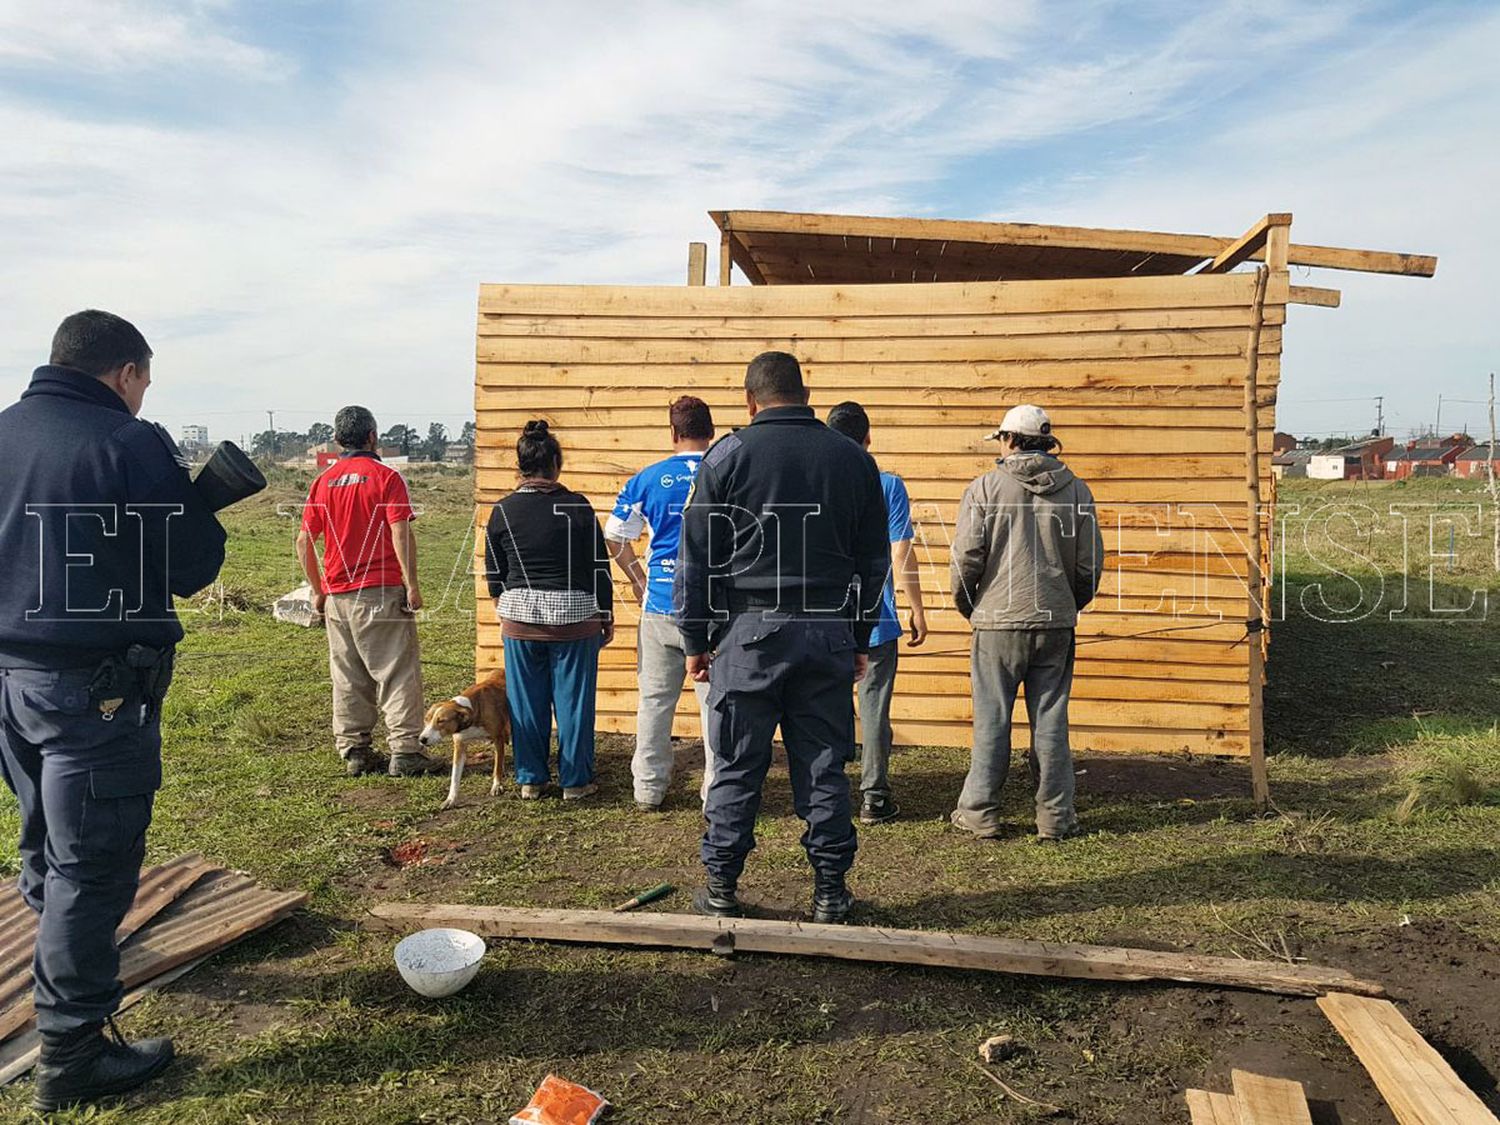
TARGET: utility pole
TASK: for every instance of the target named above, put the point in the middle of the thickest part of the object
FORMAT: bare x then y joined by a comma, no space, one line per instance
276,445
1379,415
1489,461
1438,427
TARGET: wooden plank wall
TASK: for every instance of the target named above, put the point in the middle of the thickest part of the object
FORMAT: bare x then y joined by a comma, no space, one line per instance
1143,377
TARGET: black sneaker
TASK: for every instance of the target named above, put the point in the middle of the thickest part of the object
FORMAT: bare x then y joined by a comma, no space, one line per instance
87,1065
878,808
415,765
832,900
717,900
362,760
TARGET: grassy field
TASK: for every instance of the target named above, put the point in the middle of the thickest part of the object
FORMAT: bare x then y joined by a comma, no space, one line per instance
1385,857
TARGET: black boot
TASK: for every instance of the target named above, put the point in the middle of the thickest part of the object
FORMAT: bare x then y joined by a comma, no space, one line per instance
717,900
85,1065
831,900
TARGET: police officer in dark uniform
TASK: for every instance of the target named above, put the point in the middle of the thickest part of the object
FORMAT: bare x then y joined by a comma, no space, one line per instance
100,527
782,565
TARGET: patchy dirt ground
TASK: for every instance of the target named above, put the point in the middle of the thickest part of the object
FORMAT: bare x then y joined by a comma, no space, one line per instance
776,1039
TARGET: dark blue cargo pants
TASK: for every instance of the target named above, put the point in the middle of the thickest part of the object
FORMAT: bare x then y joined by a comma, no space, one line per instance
85,786
795,672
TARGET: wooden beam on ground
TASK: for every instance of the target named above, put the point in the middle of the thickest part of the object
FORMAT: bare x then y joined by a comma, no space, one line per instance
697,263
1207,1108
1269,1101
865,943
1089,238
1313,295
1416,1082
1251,242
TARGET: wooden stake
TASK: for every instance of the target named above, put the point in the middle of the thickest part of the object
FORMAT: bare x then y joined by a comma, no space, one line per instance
697,263
725,261
1259,783
869,943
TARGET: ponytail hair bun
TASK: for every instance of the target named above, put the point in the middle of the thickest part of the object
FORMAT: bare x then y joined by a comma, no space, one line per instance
538,453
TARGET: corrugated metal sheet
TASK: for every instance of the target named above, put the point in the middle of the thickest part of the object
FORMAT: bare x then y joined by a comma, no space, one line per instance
184,910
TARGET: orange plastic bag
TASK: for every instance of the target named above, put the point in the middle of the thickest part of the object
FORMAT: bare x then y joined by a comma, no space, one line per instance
560,1102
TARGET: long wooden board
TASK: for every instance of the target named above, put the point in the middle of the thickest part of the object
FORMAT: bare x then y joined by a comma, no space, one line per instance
860,943
951,298
1262,1100
1416,1082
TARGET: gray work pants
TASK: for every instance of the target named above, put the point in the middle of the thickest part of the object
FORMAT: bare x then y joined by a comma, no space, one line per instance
875,720
661,666
1002,661
376,668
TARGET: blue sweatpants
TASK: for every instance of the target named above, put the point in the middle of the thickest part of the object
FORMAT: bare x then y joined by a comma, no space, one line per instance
543,678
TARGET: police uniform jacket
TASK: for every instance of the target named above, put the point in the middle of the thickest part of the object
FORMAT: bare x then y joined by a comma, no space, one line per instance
100,527
785,514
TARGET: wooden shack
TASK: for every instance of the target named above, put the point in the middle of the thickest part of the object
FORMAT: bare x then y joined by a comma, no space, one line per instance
1157,360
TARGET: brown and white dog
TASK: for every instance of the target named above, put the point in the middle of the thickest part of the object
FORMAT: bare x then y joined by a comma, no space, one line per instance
480,714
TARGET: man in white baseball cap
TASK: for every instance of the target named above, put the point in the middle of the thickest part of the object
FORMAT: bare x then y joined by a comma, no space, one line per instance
1027,557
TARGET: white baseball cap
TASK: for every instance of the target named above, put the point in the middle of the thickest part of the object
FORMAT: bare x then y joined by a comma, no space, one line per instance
1026,420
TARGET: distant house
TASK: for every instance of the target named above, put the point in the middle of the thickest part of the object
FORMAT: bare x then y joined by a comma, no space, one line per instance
1362,460
194,435
1472,462
1281,443
1290,463
1422,460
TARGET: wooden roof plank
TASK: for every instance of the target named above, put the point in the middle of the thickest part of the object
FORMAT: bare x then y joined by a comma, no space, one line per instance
1250,242
1313,295
1201,246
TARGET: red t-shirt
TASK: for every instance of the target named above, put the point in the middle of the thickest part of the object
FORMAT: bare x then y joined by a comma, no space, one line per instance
352,505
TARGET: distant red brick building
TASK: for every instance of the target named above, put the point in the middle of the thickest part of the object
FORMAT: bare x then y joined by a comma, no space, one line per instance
1426,459
1472,462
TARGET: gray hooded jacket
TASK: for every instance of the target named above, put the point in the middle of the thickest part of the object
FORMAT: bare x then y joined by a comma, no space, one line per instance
1027,552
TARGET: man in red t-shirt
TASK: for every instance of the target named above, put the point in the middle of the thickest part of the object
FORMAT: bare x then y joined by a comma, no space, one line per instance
367,591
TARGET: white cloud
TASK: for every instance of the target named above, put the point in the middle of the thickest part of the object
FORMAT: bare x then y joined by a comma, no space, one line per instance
299,260
126,37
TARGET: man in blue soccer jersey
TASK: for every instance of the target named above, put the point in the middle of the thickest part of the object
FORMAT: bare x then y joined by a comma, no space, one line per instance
653,500
875,690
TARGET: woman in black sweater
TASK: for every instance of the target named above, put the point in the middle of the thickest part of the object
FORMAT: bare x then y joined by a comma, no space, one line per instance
548,571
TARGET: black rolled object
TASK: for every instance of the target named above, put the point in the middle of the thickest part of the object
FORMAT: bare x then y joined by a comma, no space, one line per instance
228,477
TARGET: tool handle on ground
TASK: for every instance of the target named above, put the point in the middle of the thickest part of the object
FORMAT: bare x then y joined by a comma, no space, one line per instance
661,890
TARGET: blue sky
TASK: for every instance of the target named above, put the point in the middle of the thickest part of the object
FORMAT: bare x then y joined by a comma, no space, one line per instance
296,201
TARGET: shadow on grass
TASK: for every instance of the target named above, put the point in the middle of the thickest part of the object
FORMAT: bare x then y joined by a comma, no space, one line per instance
1341,686
1244,876
543,1004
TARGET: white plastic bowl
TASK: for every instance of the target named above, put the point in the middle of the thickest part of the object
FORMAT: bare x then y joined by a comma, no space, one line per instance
439,962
